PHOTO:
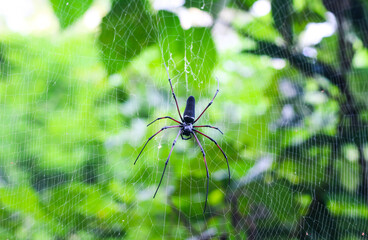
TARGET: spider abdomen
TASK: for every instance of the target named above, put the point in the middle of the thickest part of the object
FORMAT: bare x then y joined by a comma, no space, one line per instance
189,112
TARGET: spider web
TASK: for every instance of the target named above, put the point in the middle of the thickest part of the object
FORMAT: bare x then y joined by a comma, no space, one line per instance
78,89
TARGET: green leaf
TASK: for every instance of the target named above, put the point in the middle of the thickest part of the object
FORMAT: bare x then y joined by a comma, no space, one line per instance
193,51
126,31
69,11
281,12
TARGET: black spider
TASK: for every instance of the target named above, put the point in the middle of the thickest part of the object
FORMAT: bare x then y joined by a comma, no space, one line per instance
187,129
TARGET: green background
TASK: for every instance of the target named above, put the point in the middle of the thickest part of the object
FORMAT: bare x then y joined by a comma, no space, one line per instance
74,106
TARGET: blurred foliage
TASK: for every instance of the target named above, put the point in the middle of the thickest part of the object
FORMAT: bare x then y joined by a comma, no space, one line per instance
282,12
75,109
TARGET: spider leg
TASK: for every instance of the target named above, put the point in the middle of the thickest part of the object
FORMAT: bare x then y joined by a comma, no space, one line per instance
167,161
218,89
227,161
164,118
205,162
209,127
173,93
153,137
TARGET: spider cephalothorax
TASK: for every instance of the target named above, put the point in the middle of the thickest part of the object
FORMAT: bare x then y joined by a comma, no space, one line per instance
187,129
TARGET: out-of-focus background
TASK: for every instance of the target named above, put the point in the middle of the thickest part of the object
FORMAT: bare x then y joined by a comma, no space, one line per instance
81,79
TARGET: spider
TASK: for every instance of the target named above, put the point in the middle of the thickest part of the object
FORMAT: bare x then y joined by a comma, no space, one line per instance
187,129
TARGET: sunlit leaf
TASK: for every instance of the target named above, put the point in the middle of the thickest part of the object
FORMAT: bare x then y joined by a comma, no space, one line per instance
193,51
69,11
124,33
